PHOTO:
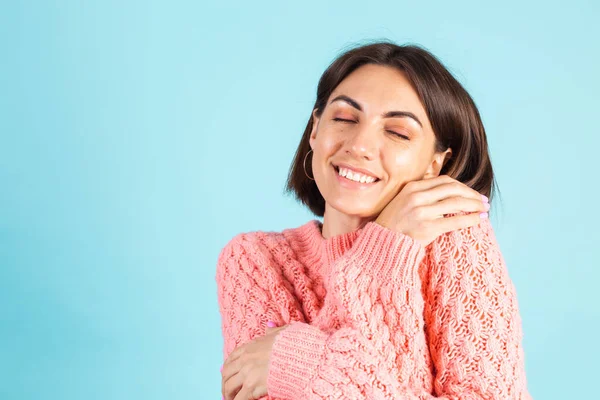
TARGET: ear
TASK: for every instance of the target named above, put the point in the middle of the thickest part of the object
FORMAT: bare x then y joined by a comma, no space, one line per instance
315,126
439,159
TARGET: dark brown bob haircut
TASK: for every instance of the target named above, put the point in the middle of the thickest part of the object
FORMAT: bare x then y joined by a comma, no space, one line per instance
451,110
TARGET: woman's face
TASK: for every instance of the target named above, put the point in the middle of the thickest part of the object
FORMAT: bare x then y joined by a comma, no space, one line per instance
395,148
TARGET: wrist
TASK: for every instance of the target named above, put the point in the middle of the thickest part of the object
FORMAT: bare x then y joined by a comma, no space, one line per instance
296,354
385,252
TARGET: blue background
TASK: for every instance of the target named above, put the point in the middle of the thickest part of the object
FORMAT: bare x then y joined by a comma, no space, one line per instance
137,139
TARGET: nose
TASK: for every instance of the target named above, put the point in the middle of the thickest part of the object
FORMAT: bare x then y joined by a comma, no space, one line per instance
362,144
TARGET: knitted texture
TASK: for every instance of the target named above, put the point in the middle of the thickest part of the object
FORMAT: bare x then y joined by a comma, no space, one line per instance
372,314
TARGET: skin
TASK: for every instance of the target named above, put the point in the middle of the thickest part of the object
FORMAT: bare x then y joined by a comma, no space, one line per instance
368,142
244,373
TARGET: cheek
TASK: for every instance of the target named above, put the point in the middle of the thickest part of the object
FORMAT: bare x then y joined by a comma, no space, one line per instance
402,164
328,142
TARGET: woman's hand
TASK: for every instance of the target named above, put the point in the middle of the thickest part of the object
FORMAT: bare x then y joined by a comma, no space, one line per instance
418,210
244,374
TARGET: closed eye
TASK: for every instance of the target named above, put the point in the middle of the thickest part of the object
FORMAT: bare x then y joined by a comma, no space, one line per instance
399,135
392,132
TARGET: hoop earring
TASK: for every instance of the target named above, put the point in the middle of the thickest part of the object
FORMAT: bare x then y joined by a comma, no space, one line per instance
304,165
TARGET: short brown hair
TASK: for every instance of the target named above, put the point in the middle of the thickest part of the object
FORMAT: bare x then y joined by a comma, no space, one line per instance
451,110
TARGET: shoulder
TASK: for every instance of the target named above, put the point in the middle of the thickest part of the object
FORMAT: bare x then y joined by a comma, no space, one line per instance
464,248
264,249
251,244
242,262
270,241
466,237
470,253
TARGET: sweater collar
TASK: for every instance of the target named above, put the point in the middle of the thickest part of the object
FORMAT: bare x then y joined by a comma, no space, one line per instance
320,251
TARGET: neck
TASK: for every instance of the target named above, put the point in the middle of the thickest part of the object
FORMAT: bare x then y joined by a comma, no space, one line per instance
337,223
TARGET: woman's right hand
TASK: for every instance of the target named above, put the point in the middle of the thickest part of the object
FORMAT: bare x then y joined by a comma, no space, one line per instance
418,210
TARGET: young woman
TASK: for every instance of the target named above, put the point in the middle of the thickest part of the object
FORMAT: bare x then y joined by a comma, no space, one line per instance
401,292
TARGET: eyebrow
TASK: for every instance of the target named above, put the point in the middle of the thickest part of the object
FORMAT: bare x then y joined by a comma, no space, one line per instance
389,114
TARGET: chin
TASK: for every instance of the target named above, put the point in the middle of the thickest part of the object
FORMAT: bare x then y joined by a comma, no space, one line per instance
354,207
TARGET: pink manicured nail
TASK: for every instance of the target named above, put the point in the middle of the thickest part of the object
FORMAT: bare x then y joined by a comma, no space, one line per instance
487,206
484,198
483,215
221,370
271,324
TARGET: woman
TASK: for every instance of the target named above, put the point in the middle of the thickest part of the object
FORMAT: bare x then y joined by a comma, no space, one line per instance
401,292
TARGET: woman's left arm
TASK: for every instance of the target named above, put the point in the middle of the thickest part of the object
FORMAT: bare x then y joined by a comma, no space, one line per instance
472,318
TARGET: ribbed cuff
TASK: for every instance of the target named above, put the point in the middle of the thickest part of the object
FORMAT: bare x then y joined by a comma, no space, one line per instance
295,356
384,251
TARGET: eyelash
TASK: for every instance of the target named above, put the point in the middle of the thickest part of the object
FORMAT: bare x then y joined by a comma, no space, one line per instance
392,132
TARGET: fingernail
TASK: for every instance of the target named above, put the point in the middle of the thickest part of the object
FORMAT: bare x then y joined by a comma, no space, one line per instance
271,324
221,370
484,198
487,206
483,215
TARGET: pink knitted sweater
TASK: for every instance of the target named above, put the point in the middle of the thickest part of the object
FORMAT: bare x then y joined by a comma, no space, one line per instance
373,314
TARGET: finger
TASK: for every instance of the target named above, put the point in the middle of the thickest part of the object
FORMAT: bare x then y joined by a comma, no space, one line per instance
269,330
454,205
243,394
275,329
232,386
447,190
230,369
449,224
272,324
236,353
426,184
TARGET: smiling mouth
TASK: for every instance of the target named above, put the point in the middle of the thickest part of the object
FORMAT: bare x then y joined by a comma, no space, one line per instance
337,171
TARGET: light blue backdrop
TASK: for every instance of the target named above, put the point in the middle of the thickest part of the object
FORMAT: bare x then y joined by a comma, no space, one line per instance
136,139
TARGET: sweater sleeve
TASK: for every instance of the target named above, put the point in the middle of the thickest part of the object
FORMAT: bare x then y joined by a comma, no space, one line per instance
248,294
471,320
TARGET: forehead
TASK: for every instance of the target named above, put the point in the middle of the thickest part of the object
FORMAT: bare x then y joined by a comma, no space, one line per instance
380,89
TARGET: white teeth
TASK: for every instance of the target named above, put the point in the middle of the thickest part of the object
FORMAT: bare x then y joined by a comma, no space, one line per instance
354,176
